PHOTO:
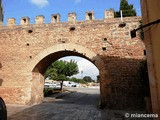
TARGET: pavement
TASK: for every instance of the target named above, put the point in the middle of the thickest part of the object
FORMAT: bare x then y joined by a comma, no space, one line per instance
59,107
50,111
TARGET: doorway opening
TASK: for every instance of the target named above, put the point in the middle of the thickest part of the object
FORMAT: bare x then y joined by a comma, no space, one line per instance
40,68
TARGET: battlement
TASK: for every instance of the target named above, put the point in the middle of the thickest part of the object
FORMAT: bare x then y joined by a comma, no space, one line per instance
55,18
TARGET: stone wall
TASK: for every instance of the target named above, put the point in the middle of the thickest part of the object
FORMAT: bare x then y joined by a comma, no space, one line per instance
27,50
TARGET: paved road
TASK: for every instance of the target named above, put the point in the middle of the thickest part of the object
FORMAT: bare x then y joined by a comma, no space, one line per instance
80,104
82,96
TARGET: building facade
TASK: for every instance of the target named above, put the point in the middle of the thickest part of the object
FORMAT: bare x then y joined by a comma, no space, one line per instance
27,50
150,13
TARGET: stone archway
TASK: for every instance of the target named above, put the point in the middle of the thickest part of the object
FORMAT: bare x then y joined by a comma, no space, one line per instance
40,62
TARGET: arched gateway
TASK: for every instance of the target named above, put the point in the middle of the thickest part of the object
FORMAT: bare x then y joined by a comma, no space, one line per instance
26,51
40,62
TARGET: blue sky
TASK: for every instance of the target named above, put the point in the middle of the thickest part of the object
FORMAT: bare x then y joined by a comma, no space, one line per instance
32,8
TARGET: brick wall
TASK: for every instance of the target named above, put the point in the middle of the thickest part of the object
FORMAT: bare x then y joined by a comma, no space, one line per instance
27,50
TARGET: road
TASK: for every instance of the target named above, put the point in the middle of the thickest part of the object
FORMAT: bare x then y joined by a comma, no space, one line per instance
82,96
77,104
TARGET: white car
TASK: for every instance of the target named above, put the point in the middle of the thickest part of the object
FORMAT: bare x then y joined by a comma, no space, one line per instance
69,84
52,85
49,85
57,86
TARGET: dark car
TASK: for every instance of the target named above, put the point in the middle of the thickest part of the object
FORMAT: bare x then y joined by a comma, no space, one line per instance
3,110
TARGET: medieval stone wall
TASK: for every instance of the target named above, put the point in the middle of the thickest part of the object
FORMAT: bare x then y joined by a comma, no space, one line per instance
27,49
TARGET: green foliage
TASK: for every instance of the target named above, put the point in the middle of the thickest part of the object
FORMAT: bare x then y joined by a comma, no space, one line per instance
59,70
71,68
73,79
87,79
50,72
47,91
127,9
59,66
60,77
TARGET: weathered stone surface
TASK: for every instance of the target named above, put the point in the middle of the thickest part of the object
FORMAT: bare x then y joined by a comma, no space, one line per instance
27,50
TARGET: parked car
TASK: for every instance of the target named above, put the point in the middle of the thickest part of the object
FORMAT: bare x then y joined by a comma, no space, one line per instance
3,110
49,85
52,85
69,84
58,85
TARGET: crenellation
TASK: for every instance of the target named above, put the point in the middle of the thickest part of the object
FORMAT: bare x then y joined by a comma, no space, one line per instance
72,17
90,15
11,21
39,19
55,18
25,21
109,14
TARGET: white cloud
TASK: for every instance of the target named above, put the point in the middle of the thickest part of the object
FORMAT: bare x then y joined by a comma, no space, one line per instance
88,68
40,3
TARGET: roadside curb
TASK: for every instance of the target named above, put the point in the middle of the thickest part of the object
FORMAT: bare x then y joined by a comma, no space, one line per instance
62,94
52,98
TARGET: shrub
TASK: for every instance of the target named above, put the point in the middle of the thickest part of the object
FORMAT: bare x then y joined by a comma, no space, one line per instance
47,91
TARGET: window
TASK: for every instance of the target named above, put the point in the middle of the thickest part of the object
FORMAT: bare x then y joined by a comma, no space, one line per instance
90,16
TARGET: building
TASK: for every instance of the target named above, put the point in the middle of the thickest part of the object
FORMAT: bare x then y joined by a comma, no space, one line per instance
27,51
150,13
1,12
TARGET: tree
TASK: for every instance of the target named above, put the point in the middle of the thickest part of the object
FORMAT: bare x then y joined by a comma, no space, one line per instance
77,80
71,68
87,79
60,70
127,9
50,73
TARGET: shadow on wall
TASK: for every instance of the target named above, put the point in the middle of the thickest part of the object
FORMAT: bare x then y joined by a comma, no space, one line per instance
1,80
0,65
127,84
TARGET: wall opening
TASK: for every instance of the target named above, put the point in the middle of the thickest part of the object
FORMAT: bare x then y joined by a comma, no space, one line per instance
24,20
72,28
104,39
55,18
103,48
90,16
41,67
30,31
86,77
